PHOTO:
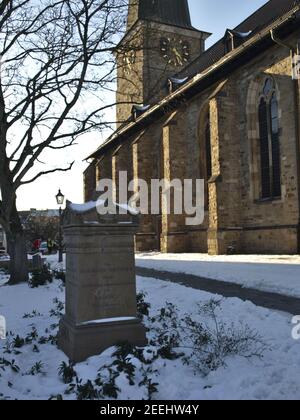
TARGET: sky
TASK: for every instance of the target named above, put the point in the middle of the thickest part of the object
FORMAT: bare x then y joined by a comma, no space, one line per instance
213,16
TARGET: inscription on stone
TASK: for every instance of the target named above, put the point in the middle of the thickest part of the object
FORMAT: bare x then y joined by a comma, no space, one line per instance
100,284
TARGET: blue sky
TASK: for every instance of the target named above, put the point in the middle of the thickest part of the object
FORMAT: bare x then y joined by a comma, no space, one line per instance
208,15
217,15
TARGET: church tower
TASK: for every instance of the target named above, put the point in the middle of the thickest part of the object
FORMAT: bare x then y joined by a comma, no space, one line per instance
159,42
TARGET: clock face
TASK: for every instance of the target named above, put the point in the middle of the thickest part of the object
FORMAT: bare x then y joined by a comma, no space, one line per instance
128,61
175,51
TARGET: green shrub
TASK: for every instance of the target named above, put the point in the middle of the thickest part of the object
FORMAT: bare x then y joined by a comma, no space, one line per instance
40,277
67,372
143,307
60,275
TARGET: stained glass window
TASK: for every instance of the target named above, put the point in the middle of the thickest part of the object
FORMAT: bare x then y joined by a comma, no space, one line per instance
269,142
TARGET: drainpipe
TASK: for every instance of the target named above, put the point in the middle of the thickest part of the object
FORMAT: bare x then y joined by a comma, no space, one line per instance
297,126
296,83
281,43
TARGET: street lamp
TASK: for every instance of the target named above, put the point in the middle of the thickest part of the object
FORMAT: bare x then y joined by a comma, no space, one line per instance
60,198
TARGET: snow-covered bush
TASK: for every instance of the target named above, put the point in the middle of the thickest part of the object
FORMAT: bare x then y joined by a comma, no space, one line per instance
202,341
60,275
212,344
142,306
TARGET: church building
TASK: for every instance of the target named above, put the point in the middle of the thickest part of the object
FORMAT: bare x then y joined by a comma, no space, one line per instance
228,114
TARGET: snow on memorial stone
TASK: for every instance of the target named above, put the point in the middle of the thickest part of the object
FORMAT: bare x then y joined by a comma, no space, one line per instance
100,282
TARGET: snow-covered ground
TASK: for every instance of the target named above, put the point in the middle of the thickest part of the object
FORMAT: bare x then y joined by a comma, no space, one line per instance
278,274
276,376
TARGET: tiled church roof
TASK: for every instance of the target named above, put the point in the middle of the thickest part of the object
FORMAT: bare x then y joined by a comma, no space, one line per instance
259,20
173,12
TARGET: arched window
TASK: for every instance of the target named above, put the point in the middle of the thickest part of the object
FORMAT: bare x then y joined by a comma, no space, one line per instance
269,142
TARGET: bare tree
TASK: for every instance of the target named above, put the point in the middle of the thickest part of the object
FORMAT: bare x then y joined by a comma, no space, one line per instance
55,55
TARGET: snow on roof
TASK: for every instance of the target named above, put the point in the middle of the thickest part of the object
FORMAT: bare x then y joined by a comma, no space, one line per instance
82,208
85,207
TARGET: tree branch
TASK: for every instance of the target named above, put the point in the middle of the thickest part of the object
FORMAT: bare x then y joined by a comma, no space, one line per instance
50,171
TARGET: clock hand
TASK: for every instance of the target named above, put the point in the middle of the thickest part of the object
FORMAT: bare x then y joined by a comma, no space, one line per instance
178,55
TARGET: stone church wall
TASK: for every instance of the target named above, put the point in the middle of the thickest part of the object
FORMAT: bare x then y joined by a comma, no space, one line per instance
269,226
235,218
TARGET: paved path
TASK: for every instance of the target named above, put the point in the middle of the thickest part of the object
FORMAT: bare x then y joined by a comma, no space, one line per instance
260,298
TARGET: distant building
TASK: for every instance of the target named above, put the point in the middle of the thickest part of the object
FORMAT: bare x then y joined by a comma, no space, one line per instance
37,224
34,213
40,224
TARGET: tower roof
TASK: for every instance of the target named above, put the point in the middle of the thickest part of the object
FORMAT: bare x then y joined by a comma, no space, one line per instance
173,12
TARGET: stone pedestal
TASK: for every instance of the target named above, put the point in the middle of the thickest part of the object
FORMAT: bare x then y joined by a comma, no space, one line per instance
100,283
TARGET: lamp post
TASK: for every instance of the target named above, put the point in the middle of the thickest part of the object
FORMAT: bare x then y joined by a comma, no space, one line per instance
60,198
